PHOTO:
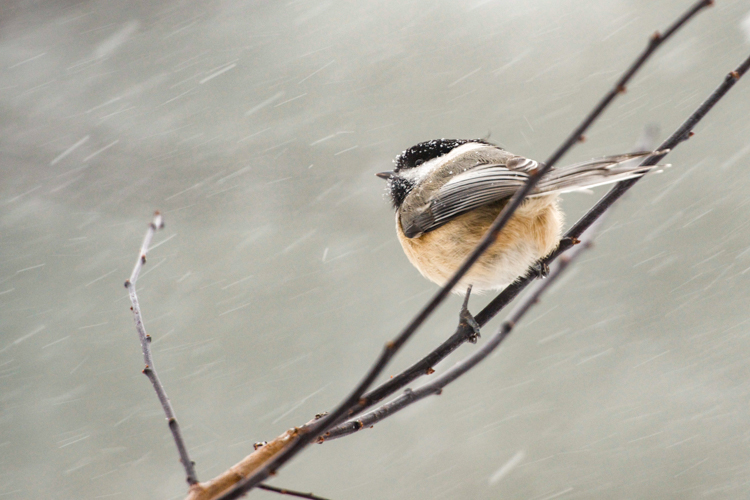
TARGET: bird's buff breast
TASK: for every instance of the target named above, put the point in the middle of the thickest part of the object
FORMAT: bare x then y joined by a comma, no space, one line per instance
532,233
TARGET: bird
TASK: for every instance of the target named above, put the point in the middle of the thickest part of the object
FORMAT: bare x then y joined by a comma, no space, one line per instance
448,192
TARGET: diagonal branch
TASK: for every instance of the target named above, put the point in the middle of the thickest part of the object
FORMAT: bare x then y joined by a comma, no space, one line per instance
145,339
463,333
436,386
654,42
393,346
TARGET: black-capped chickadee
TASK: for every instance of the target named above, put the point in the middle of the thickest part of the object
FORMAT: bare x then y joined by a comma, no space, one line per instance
447,193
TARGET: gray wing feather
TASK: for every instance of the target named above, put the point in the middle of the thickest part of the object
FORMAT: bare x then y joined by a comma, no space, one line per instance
456,198
474,188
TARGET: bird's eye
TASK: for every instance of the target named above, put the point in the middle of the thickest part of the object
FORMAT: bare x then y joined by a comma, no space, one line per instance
418,162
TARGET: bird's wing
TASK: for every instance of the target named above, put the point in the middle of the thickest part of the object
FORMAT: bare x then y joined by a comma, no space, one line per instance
471,189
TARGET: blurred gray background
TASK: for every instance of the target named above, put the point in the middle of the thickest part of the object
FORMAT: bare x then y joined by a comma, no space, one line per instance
256,128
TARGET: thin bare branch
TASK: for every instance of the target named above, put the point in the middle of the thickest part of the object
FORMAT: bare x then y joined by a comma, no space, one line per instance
464,333
436,386
290,493
156,224
621,86
393,346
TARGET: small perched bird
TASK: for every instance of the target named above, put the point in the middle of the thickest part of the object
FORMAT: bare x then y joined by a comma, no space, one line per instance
447,193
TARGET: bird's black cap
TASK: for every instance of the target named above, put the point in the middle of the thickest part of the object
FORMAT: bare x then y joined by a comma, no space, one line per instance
426,151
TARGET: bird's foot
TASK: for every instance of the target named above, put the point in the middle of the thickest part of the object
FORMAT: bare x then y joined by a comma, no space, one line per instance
540,270
466,318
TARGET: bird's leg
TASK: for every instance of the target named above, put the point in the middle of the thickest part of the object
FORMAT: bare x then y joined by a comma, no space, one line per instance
466,318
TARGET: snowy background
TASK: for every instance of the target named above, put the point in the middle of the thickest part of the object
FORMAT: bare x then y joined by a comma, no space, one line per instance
256,128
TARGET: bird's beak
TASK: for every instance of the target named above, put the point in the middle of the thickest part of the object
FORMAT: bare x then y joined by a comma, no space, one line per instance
385,175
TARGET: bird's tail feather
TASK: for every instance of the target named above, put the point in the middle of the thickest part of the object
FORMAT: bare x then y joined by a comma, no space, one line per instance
592,173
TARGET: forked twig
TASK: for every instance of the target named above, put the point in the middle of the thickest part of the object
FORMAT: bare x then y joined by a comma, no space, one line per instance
436,386
393,346
156,224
